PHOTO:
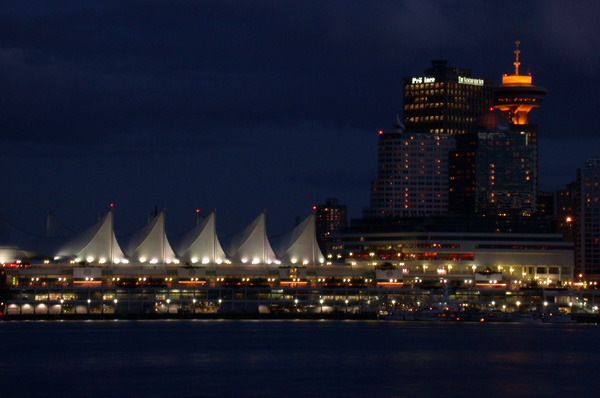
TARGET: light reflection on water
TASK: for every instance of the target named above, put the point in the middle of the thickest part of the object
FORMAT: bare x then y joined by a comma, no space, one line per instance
295,358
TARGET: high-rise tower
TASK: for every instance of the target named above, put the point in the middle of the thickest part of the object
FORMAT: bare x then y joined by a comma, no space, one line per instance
446,100
412,174
491,171
516,97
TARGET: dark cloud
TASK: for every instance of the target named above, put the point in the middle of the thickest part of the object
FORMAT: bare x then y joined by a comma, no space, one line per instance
201,103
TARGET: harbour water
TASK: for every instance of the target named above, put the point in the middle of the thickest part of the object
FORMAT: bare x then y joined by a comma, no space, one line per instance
192,358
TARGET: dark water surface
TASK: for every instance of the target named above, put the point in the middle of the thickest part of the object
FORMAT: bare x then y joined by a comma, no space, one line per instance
296,358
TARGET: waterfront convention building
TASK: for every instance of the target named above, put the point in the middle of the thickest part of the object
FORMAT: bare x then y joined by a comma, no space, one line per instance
509,250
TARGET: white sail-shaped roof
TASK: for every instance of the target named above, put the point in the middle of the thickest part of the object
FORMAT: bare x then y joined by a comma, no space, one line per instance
201,244
299,245
251,245
96,244
150,244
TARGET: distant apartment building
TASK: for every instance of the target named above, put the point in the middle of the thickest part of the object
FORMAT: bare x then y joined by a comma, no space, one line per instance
587,221
563,219
412,174
545,204
331,217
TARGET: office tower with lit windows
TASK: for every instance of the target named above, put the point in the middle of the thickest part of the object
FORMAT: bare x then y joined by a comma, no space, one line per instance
491,171
412,174
587,221
445,100
331,217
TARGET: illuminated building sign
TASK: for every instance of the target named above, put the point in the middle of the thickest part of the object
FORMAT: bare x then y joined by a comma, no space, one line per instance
469,80
419,80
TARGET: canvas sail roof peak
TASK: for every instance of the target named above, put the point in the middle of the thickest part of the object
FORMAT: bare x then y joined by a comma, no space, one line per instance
150,244
251,245
299,245
96,244
201,244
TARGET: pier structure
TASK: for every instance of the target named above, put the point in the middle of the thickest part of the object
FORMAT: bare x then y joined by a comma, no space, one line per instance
99,302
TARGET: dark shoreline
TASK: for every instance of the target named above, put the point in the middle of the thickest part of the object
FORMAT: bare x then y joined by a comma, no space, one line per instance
187,316
366,316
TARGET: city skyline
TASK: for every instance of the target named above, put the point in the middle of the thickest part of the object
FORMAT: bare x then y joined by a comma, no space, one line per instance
197,105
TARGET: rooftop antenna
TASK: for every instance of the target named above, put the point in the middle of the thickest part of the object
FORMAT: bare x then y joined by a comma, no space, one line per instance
517,52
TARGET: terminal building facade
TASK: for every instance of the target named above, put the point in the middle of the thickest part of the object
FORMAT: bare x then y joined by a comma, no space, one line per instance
459,249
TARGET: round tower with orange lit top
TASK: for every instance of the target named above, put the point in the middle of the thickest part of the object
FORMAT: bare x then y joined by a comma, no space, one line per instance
517,95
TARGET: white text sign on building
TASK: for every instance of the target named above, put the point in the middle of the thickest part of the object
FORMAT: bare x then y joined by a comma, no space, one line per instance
419,80
469,80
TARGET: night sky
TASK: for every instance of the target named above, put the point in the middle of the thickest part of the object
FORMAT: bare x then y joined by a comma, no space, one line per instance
245,105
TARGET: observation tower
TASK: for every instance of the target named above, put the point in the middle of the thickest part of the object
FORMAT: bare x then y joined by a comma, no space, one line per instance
517,95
